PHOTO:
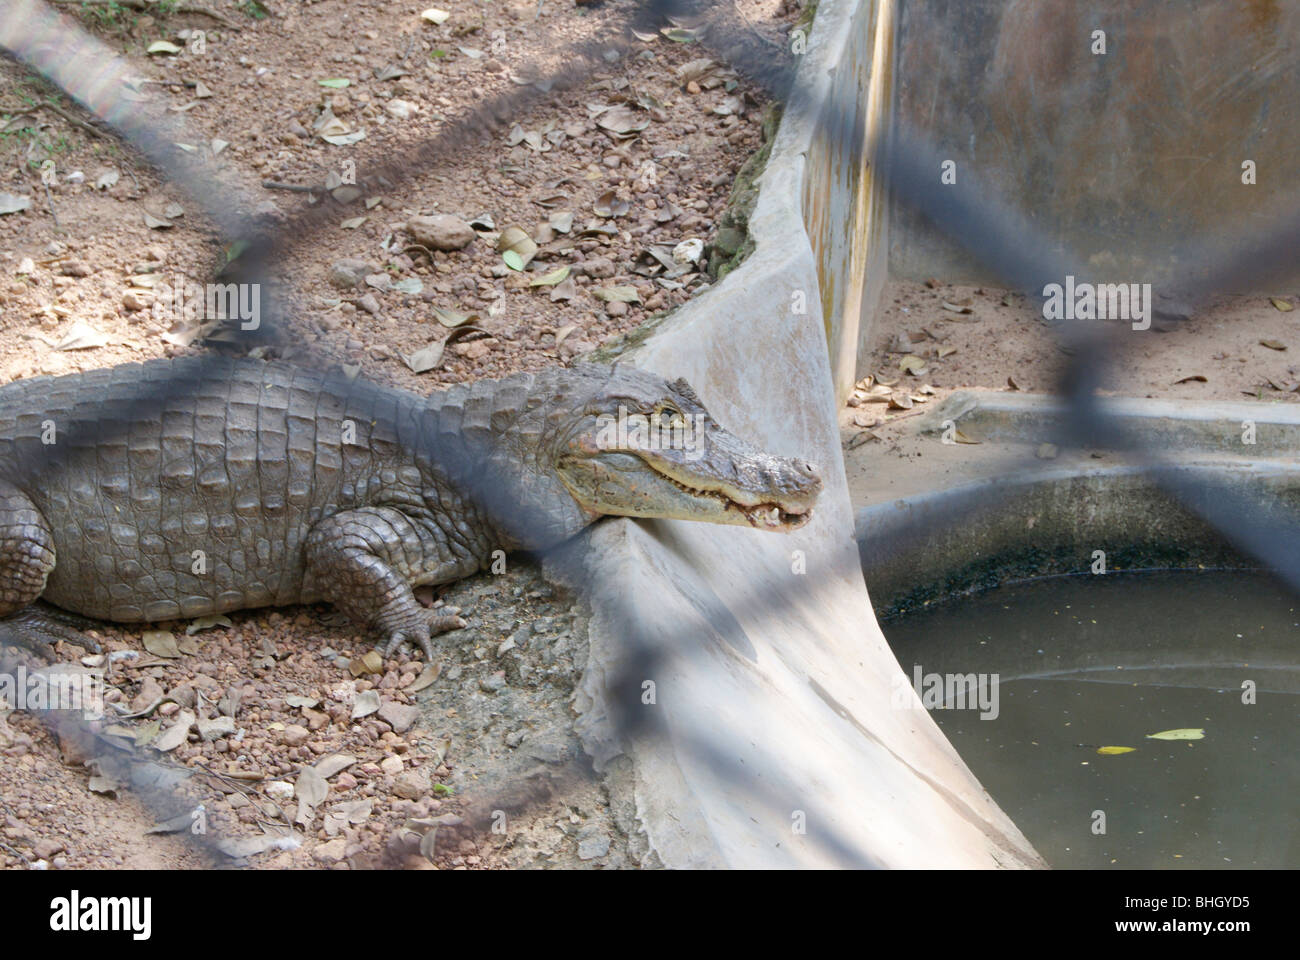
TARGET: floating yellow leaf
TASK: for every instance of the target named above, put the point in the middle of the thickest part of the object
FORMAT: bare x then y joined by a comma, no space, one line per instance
1284,305
1183,733
1114,751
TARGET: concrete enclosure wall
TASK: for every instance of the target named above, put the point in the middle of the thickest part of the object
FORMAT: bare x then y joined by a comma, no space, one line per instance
1115,156
844,205
775,739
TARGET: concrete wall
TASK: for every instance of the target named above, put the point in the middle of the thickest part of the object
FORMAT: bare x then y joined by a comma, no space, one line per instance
844,207
1115,157
775,700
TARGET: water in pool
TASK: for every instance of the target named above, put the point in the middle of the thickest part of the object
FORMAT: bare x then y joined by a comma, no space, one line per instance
1105,661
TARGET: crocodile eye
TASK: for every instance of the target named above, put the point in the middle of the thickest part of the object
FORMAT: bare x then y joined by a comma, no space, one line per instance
669,417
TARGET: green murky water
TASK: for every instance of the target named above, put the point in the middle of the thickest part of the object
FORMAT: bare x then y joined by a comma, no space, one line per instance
1083,663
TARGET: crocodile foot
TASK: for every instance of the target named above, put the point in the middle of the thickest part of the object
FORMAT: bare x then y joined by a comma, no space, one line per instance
441,620
38,628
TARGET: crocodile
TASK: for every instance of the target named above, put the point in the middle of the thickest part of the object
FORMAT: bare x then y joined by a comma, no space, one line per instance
188,487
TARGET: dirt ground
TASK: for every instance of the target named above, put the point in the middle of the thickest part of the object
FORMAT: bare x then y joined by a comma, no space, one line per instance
272,693
1236,348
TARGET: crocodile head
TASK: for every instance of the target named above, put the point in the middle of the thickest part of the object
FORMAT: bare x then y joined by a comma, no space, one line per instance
629,443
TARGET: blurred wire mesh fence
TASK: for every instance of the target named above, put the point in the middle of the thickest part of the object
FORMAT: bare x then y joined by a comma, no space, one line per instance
991,230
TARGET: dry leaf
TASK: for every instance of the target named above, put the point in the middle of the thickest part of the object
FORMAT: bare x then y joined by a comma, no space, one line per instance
1195,377
912,364
609,205
82,337
161,643
558,275
1273,344
622,294
1284,305
515,240
621,121
367,702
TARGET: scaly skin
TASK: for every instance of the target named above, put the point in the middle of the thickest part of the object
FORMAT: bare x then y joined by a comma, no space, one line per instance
181,488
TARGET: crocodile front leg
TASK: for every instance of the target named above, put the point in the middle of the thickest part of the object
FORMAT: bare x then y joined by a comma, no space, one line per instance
26,559
364,562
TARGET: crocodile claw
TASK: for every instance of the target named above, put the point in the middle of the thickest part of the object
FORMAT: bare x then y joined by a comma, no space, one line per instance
442,620
38,630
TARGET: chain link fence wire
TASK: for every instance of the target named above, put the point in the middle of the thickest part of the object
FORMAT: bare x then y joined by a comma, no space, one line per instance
988,227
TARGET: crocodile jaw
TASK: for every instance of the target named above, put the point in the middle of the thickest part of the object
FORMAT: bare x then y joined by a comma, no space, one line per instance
630,485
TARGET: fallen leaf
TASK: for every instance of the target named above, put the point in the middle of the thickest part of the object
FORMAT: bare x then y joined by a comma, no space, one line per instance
960,437
336,762
1273,344
435,16
353,222
344,140
946,352
201,90
1114,751
564,291
367,702
956,308
176,734
622,294
161,643
82,337
156,223
1193,378
621,121
912,364
681,34
241,848
107,179
1182,733
206,623
310,789
162,46
515,240
1284,305
609,205
451,318
335,83
900,401
426,678
558,275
